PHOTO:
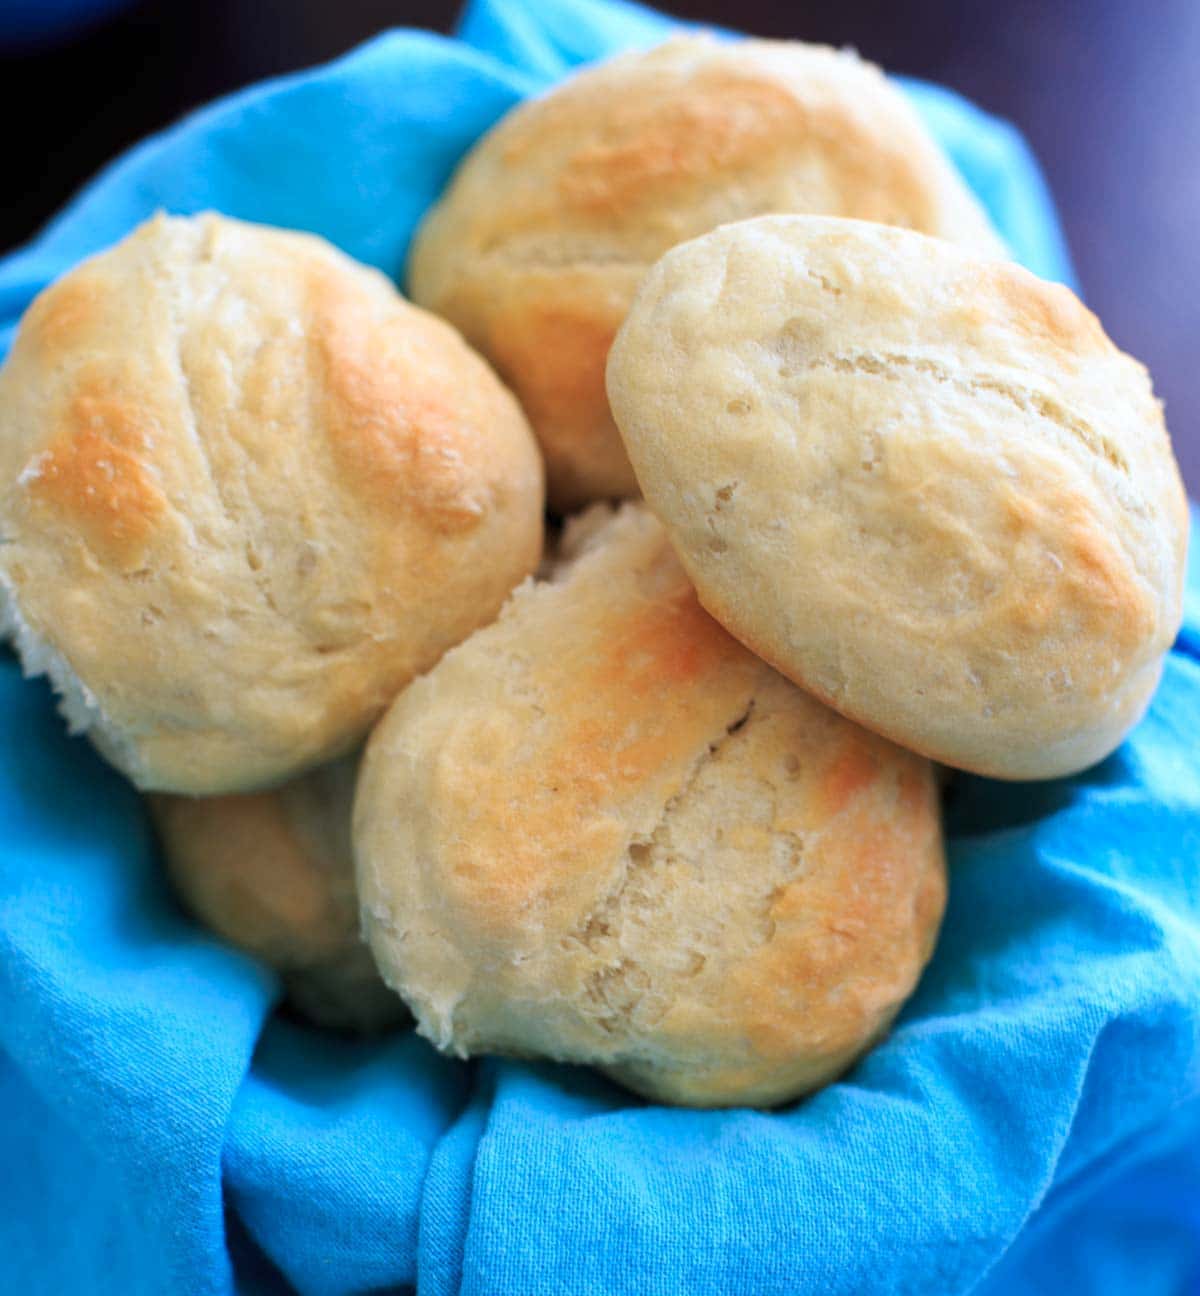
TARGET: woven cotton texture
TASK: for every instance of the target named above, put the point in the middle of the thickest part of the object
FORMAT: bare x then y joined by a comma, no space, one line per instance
1030,1125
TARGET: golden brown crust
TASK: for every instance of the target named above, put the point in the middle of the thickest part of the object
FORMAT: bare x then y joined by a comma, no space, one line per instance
93,471
601,830
538,247
248,492
552,347
925,487
273,873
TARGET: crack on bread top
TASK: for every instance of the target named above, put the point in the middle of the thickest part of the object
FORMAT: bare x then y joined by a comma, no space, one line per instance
624,992
891,365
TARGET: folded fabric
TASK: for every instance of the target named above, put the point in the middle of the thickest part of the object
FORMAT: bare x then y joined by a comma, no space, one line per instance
1030,1123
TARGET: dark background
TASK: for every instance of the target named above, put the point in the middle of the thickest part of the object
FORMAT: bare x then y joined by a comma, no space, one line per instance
1107,91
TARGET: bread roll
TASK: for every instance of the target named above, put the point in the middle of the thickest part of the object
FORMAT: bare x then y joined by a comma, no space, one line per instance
273,873
602,831
542,238
923,485
246,493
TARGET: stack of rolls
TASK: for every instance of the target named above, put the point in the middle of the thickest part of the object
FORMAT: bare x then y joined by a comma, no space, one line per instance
660,797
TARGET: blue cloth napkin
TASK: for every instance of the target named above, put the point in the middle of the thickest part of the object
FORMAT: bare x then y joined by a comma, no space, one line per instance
1030,1125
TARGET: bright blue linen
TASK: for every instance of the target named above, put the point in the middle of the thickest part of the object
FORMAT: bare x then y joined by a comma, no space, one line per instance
1030,1124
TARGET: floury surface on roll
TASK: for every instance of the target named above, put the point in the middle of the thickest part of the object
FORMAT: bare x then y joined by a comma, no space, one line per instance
247,492
273,873
538,246
602,831
925,486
